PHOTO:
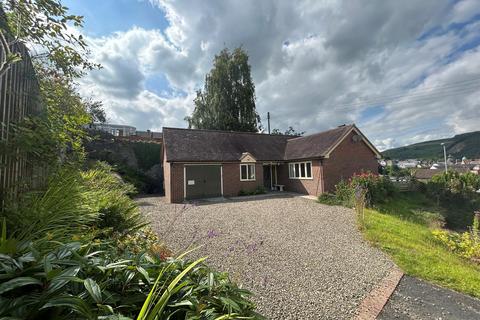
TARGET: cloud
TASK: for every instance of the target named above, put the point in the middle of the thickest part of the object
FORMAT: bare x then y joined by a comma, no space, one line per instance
315,64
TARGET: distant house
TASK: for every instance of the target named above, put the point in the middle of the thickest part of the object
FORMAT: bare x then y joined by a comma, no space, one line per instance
117,130
149,134
407,164
427,174
209,163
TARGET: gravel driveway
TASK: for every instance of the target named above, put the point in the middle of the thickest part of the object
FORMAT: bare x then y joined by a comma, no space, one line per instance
303,260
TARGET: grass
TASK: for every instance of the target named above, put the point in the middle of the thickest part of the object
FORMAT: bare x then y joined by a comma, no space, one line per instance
402,228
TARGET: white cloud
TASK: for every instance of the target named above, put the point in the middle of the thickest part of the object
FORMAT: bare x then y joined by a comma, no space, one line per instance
313,64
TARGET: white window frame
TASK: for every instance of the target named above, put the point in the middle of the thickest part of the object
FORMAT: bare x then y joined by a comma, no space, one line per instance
292,171
252,165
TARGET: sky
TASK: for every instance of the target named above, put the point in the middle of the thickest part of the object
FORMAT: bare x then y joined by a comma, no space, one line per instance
402,71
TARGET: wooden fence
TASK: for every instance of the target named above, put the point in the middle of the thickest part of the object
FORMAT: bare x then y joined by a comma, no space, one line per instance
19,98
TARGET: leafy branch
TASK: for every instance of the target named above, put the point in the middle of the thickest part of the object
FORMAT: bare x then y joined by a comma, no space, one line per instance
9,57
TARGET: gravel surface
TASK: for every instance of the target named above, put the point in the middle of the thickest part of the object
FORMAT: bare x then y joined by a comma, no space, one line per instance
417,299
303,260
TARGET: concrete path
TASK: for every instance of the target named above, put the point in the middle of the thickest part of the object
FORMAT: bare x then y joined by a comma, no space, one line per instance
418,299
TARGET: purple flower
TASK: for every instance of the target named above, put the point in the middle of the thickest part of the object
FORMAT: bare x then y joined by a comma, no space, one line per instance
252,247
212,234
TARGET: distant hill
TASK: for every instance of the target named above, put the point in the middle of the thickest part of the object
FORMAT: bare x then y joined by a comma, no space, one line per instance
467,144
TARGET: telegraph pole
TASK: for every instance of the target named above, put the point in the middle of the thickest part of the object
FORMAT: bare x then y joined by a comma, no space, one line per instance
268,121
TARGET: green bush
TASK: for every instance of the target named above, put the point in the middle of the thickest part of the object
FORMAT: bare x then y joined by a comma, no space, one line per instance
456,192
330,199
79,250
147,154
466,244
257,190
378,190
90,281
60,211
110,197
454,182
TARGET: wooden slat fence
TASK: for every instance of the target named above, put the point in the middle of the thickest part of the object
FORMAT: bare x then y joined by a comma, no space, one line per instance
19,98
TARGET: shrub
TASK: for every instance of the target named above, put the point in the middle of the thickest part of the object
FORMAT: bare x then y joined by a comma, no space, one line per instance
59,212
329,199
379,189
345,193
91,281
455,182
257,190
109,196
466,244
457,193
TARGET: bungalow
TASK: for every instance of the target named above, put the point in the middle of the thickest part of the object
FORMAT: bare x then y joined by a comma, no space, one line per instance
209,163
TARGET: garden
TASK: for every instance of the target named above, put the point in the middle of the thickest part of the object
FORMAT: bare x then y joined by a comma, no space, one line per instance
430,231
74,245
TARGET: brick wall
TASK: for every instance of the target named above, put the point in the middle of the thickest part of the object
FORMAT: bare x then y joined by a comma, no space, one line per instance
231,179
312,186
174,183
348,158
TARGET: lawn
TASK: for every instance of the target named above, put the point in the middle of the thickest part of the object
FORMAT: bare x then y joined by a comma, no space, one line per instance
402,228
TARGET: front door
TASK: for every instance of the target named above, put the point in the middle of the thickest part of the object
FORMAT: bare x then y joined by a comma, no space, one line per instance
269,176
266,177
203,181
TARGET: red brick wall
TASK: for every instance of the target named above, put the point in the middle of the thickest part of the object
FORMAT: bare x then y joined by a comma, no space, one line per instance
231,179
174,184
312,186
348,158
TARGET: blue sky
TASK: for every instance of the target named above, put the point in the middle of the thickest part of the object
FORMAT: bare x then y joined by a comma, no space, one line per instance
103,17
403,71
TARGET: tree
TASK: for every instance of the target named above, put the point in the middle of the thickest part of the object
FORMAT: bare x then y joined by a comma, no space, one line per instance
96,110
290,132
227,101
55,136
44,24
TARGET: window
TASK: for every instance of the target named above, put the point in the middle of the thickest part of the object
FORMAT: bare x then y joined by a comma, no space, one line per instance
300,170
247,172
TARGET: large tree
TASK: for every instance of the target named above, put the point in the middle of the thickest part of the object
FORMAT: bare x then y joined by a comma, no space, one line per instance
227,101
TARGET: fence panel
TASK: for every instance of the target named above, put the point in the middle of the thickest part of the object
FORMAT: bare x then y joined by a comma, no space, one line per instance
19,98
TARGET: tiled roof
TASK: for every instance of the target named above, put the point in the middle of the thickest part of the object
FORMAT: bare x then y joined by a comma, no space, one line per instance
425,174
315,145
212,145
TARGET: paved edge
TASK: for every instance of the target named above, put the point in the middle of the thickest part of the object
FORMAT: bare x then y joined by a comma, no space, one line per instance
373,303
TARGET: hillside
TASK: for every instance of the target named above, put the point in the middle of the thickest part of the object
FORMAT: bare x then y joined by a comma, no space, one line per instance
467,144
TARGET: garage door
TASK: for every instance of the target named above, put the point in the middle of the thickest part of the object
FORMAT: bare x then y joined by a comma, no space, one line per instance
203,181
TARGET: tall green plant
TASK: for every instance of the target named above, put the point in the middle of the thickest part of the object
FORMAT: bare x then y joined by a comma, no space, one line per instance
110,197
55,214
